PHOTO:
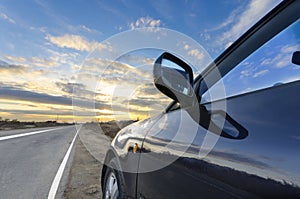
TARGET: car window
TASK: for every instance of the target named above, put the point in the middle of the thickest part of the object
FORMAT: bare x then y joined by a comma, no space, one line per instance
268,66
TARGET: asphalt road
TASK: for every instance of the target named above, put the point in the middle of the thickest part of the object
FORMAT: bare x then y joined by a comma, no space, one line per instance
29,164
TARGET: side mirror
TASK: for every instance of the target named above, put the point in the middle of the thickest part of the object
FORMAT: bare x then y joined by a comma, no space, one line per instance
296,58
173,77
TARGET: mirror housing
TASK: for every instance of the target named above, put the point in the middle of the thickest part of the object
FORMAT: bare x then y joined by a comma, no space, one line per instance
173,77
296,58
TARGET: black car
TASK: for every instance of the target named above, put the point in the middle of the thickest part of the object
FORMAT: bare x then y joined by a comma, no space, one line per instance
244,145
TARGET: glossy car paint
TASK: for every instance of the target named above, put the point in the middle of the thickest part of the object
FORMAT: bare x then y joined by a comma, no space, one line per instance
122,147
264,164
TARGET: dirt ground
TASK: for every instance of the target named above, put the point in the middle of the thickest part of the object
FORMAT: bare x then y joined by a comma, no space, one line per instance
84,177
85,171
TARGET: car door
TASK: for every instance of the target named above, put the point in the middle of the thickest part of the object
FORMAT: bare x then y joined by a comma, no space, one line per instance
257,153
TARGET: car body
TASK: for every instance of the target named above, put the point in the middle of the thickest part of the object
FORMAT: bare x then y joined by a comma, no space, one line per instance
260,159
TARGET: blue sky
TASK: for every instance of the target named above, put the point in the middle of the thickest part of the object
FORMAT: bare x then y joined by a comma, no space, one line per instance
44,42
30,22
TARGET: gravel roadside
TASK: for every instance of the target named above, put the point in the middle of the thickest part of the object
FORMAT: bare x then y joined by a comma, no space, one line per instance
90,148
84,175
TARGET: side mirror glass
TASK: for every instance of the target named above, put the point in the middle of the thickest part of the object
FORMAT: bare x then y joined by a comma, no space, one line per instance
173,77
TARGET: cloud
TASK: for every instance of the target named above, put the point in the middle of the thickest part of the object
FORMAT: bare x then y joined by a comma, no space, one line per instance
76,42
6,68
7,18
145,22
19,94
83,28
138,60
281,58
40,29
63,58
119,71
29,78
260,73
37,112
193,52
253,70
16,58
35,61
241,20
13,93
196,53
198,57
122,84
43,62
75,88
132,72
147,97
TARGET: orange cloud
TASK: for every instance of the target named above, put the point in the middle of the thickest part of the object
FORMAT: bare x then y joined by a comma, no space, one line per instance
76,42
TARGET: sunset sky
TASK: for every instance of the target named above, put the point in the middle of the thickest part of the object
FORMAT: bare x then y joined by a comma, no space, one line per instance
45,45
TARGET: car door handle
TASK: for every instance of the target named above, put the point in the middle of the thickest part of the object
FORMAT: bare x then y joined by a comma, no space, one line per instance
135,148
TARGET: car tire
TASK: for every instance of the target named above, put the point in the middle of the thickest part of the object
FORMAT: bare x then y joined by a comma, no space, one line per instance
113,186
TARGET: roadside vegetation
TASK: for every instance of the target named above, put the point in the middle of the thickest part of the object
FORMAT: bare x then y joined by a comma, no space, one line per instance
7,124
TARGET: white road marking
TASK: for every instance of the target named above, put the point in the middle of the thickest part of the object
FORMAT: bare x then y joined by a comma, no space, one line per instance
60,171
27,134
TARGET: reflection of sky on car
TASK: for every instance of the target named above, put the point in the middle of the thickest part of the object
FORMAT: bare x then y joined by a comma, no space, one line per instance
252,155
43,44
269,66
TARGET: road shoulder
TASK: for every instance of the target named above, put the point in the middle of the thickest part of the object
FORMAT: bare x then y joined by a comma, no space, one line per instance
84,175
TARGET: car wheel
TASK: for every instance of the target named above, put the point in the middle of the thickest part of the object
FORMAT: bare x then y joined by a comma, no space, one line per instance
113,184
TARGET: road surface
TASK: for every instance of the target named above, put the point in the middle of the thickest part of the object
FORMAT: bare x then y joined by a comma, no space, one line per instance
29,163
